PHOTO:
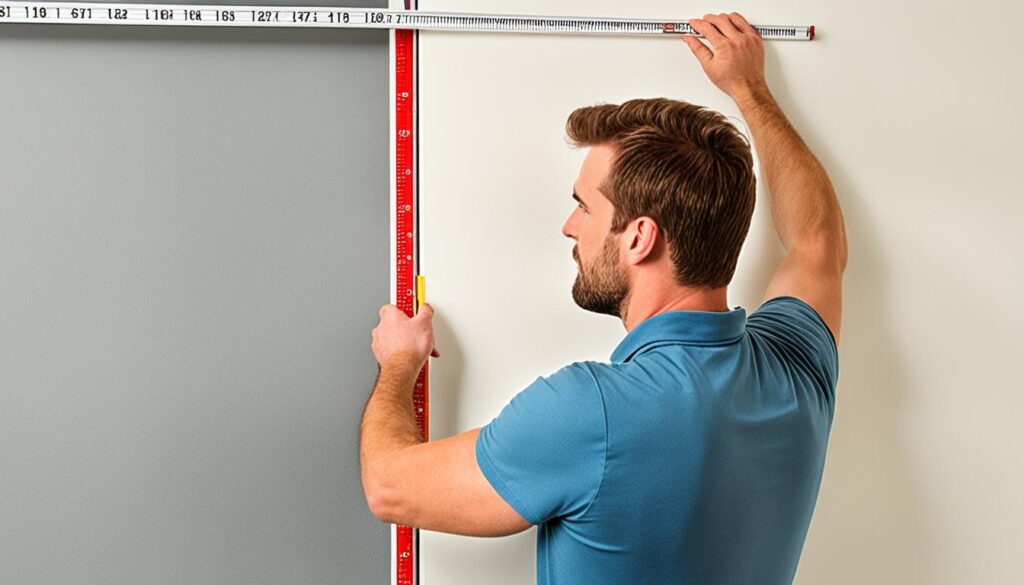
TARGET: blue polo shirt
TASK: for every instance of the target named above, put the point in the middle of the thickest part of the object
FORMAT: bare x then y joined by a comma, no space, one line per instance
695,456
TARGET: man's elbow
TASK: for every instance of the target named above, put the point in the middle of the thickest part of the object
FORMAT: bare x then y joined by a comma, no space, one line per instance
842,255
842,249
839,242
381,497
381,509
825,250
376,494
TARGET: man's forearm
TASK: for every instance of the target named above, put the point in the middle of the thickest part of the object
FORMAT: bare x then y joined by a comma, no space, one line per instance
389,423
803,201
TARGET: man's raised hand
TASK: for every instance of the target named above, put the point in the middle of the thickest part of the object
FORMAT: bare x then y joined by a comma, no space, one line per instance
735,61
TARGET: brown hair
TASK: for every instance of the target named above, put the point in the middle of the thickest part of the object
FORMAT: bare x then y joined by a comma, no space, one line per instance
686,167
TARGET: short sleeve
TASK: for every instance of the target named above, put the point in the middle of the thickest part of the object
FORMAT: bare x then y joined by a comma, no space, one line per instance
799,330
545,451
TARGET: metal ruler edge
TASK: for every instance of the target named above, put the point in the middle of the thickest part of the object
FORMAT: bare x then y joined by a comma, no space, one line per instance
270,16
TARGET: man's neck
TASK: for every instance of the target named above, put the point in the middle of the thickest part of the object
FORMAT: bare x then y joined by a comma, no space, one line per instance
660,296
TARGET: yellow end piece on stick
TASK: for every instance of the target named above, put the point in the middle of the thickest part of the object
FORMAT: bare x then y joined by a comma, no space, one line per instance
421,290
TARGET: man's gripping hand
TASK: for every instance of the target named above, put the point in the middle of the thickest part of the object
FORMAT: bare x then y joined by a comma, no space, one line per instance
399,334
736,64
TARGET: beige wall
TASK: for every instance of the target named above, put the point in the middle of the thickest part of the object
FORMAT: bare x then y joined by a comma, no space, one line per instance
918,126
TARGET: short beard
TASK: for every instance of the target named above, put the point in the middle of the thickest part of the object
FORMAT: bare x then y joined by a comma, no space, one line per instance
603,287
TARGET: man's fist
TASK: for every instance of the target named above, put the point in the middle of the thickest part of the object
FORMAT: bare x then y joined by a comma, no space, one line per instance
397,333
736,65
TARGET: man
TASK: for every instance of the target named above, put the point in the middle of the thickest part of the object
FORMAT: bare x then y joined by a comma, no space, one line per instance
696,454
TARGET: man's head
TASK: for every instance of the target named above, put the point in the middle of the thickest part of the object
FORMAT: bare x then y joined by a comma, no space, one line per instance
666,189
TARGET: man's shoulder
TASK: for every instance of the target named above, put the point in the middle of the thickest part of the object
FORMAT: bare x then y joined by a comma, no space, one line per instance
576,385
590,382
572,376
795,331
584,374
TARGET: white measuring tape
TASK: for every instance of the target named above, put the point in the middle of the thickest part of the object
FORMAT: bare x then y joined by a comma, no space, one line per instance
323,17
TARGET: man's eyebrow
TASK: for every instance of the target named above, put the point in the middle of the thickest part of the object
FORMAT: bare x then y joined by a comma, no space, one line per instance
577,198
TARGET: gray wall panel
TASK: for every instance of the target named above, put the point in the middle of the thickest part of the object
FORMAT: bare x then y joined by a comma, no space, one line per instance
193,248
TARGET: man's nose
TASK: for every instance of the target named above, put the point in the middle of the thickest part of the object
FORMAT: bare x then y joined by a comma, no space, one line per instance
568,229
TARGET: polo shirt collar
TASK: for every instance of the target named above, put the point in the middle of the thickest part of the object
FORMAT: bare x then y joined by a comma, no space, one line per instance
685,327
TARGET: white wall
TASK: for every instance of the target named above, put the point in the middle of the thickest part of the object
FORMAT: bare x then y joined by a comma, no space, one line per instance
914,110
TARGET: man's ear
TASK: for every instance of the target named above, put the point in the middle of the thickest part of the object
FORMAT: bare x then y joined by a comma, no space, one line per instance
642,236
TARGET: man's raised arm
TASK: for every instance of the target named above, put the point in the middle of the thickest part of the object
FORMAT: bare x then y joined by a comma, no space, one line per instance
804,206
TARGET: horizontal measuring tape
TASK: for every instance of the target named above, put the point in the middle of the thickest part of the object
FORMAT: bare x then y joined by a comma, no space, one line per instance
323,17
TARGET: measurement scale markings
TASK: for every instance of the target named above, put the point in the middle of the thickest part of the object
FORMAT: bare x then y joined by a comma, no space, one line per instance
215,15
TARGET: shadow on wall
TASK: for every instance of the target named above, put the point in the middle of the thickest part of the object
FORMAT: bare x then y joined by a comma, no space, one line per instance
869,523
447,381
446,377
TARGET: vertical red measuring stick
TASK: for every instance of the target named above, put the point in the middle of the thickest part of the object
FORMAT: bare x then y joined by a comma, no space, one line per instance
406,561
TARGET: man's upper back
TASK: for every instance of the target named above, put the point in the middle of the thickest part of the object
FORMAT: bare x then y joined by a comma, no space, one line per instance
695,456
